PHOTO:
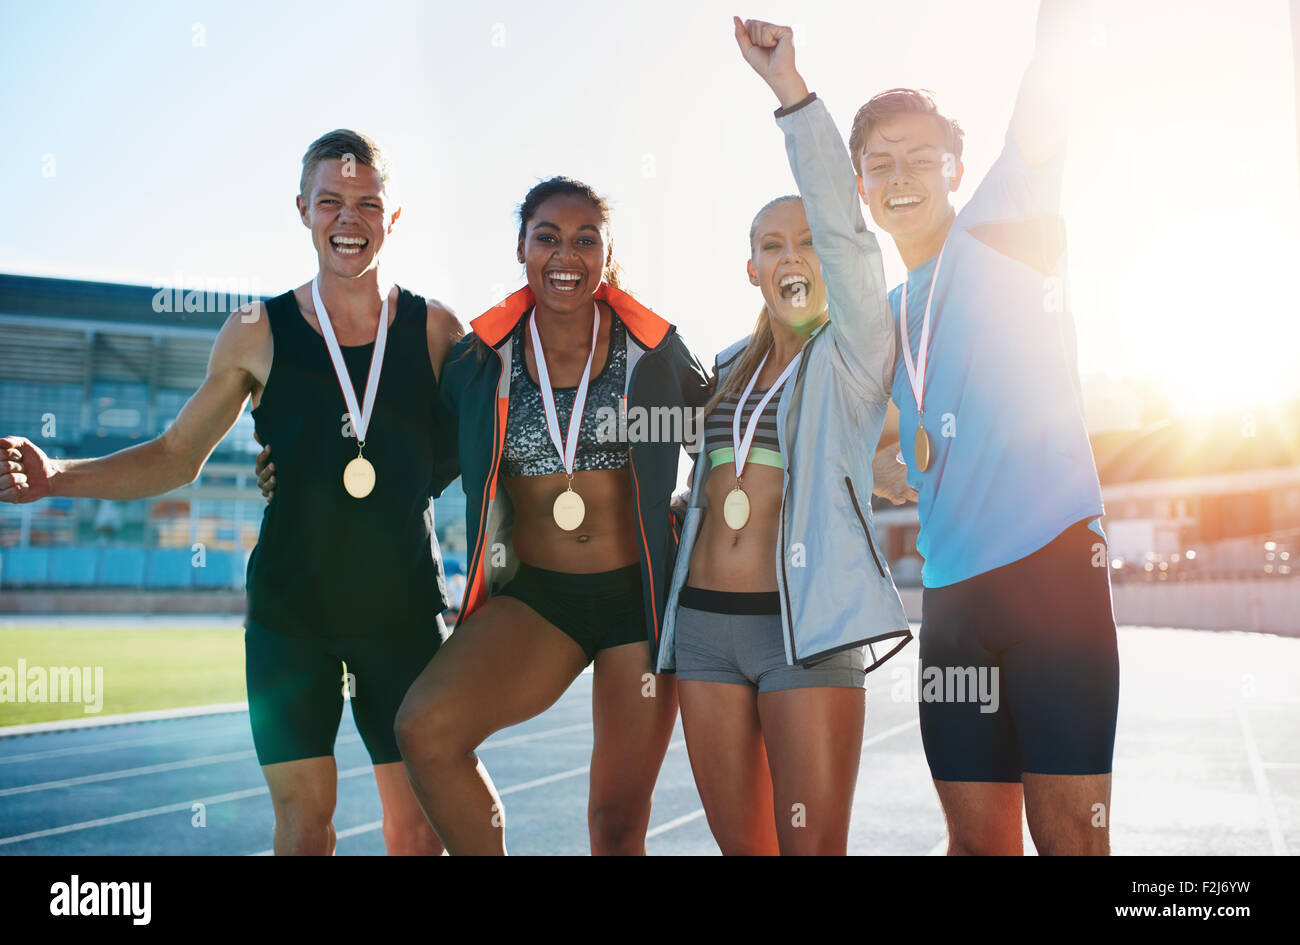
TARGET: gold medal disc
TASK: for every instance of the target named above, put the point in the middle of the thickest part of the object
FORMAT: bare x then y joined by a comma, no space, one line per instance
735,510
922,449
359,477
569,510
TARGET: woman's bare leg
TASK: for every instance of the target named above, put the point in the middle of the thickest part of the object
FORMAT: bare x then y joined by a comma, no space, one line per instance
725,744
814,744
632,712
504,666
406,829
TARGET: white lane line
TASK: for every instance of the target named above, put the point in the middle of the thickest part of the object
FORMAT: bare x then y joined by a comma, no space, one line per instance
538,782
534,736
215,759
674,823
165,809
516,788
890,732
513,789
338,835
122,743
1261,784
125,718
146,769
137,742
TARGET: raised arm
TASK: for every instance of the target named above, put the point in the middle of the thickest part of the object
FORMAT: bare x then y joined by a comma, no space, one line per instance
850,256
1039,121
239,364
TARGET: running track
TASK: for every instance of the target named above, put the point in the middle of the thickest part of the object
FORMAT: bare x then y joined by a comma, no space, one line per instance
1207,762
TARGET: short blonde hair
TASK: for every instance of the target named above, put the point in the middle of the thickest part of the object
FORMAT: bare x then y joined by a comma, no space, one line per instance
343,143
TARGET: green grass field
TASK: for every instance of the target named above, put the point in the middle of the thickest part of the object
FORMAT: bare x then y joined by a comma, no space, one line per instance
143,668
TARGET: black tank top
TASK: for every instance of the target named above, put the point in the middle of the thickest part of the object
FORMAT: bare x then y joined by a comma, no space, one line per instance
327,564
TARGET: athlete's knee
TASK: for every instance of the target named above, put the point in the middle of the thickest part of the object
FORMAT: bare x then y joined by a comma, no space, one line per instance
986,840
427,730
985,847
1071,837
1079,845
410,838
618,827
303,804
807,841
303,831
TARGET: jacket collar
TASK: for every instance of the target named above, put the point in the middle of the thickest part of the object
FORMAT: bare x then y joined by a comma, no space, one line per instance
497,322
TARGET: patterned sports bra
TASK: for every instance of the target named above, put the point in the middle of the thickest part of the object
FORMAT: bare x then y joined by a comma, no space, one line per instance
528,448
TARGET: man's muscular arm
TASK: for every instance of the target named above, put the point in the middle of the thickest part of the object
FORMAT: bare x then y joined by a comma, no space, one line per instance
238,366
442,330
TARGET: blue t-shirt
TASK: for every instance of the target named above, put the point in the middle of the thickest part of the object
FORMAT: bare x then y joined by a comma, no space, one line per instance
1011,466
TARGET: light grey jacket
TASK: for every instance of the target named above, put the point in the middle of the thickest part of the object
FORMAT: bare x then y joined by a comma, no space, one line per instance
836,590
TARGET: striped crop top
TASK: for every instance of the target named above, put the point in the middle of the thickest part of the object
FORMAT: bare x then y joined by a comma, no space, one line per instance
766,448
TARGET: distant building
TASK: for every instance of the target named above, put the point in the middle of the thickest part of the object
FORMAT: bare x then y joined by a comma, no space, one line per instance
1205,499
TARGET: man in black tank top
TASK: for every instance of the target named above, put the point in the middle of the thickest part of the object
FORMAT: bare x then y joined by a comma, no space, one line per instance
339,574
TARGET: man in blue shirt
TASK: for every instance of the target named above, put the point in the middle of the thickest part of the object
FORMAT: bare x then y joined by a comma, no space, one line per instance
1020,672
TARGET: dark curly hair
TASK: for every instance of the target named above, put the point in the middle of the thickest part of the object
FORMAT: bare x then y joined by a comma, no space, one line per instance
567,186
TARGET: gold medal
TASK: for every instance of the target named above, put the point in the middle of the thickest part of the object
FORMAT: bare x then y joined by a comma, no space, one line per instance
569,510
735,510
922,449
359,477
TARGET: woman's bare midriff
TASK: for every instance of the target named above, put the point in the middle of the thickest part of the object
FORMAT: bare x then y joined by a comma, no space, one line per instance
605,541
745,560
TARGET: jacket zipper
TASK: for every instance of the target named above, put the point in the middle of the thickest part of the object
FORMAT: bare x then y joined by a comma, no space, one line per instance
487,486
789,467
636,484
785,581
865,530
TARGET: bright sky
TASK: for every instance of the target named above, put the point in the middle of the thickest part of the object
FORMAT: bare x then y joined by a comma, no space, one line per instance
155,143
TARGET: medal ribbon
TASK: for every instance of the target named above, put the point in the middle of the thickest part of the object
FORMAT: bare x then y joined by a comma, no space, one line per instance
568,450
360,416
740,446
916,370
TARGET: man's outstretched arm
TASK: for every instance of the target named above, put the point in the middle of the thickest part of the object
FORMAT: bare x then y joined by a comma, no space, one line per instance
1042,106
168,461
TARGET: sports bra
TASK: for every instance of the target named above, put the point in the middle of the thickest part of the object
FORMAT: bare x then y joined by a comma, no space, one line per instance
766,448
528,449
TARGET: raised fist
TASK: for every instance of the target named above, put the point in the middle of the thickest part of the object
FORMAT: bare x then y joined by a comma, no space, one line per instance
26,471
769,50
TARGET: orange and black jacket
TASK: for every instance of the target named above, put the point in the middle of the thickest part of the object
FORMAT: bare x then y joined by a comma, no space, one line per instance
661,372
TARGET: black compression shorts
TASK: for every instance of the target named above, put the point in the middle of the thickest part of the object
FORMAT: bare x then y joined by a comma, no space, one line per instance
295,689
1020,667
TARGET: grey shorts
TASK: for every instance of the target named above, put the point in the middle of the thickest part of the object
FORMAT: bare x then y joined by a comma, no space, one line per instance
737,638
